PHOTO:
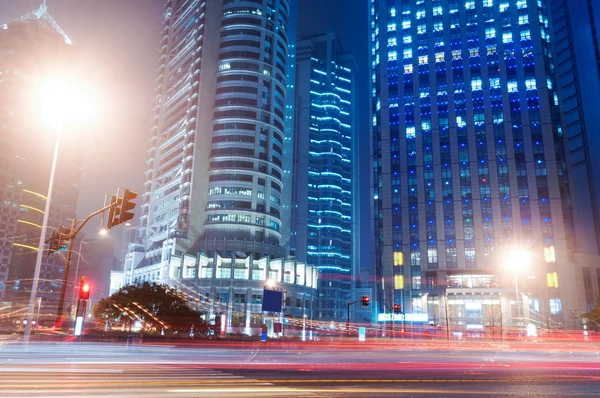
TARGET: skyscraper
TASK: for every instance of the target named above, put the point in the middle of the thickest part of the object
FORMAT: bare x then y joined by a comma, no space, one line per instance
577,52
212,213
222,136
32,47
323,172
469,160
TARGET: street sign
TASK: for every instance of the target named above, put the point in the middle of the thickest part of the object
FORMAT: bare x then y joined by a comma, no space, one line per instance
272,300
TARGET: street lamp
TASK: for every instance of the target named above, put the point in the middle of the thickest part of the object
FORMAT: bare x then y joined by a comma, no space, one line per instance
59,100
516,260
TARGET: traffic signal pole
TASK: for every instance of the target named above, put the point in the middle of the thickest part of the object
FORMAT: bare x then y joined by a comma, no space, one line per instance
350,304
76,227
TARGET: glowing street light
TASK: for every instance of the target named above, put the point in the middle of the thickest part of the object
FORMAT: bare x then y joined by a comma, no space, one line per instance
59,100
270,283
517,260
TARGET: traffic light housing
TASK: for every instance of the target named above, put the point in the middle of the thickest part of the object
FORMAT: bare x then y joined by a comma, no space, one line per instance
397,309
84,291
127,205
121,208
365,301
60,240
113,212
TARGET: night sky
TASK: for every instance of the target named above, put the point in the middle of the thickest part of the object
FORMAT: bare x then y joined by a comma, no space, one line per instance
118,40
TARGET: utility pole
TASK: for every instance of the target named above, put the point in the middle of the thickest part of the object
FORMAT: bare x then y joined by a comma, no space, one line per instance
119,212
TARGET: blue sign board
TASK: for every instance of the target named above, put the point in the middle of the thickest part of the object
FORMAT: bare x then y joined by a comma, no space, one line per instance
272,300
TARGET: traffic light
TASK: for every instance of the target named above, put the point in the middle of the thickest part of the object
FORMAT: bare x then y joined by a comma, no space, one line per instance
84,291
120,211
127,204
397,309
60,240
365,301
113,212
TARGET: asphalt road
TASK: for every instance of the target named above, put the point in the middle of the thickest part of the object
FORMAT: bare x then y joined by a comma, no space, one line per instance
319,370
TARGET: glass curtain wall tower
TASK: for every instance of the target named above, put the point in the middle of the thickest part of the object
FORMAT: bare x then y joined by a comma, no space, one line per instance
322,212
468,150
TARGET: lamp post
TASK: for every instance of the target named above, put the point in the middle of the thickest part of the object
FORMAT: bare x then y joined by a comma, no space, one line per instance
515,260
58,100
40,252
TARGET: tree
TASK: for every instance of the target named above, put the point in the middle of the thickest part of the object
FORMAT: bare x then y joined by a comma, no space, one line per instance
155,305
593,317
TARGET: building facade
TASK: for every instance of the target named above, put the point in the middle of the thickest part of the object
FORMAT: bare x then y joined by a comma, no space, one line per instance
322,230
468,158
577,52
31,47
214,181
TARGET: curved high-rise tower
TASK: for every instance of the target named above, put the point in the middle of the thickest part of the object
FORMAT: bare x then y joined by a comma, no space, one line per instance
246,165
215,169
213,207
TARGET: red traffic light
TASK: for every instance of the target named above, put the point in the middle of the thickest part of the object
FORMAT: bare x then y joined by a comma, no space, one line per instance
84,292
397,309
365,301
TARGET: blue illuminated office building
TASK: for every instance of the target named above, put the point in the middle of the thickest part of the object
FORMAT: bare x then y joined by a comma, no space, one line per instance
469,164
322,229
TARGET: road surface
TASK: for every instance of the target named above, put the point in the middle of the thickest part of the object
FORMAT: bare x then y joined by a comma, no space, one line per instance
332,370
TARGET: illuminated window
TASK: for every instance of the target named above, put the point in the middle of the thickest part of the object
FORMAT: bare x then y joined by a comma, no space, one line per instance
410,132
521,3
476,84
437,10
552,279
512,86
495,82
488,3
407,39
423,59
407,53
421,29
555,306
438,26
392,56
473,52
530,84
391,42
523,19
398,282
392,12
470,5
439,57
507,37
391,27
490,33
503,6
549,254
525,35
491,50
420,14
405,24
398,259
408,68
456,54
